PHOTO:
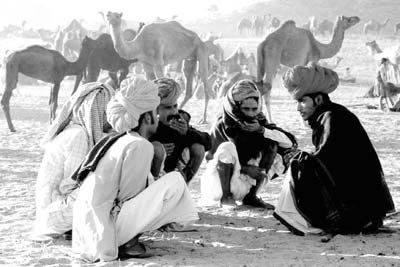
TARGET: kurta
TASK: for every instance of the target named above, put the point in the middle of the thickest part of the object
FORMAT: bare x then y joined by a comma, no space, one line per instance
62,156
116,202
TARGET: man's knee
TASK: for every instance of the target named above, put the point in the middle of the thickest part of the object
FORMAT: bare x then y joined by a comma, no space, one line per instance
197,151
159,151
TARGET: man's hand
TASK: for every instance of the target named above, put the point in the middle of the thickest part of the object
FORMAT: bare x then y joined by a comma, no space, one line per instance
169,148
251,126
254,172
180,126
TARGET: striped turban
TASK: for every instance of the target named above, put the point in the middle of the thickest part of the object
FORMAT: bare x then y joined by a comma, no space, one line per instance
168,91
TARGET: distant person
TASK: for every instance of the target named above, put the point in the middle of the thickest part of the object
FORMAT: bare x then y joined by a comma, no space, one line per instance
80,124
244,152
340,187
118,198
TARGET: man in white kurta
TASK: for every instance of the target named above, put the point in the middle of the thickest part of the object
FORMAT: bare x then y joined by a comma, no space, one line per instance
119,199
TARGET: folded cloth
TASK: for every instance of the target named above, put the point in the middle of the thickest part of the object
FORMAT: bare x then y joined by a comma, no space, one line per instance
92,159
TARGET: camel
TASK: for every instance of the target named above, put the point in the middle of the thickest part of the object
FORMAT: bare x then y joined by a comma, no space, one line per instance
159,44
71,45
325,26
105,57
392,54
43,64
374,26
291,46
234,62
244,26
258,25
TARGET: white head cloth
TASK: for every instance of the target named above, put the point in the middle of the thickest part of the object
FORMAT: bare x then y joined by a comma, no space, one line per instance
135,97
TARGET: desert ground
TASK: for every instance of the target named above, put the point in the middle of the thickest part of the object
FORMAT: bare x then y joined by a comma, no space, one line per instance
223,237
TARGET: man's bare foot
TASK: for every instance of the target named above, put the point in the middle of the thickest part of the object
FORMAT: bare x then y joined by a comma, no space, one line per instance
228,201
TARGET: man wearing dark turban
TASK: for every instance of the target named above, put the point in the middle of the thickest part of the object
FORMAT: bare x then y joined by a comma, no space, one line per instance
340,187
175,133
244,150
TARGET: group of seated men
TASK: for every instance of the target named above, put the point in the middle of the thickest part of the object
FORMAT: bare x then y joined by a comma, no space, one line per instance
118,162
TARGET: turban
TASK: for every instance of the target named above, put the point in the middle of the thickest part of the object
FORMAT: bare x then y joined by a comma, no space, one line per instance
304,80
135,97
86,107
168,91
241,90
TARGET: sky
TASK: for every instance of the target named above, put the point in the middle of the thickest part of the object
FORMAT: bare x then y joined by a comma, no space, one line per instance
51,13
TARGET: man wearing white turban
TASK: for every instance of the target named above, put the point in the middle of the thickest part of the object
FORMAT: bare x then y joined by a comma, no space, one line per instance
118,198
340,187
80,124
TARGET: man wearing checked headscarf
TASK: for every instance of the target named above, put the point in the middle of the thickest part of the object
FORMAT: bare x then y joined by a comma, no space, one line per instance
246,151
80,124
340,187
118,199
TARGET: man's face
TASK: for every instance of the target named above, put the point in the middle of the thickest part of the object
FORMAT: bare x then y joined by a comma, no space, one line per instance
306,107
249,108
165,110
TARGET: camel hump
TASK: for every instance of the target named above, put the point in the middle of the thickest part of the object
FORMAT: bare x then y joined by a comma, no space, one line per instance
288,23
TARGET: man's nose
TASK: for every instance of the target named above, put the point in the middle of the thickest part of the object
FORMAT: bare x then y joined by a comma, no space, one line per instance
298,107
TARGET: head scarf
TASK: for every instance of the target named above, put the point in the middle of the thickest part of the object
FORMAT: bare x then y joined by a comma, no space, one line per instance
136,96
86,107
304,80
241,90
168,91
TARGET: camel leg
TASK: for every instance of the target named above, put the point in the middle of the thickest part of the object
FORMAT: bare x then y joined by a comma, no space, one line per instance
148,69
159,70
203,76
5,103
11,83
77,81
271,63
53,101
189,68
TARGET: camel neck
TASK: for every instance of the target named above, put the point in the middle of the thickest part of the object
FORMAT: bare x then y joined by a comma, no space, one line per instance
332,48
119,43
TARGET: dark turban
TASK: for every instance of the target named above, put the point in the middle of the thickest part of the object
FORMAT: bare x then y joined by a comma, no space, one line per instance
304,80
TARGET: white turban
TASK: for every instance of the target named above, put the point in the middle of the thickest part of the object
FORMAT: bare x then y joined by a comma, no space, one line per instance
136,96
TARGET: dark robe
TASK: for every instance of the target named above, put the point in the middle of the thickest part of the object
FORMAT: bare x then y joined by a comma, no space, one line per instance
166,134
354,178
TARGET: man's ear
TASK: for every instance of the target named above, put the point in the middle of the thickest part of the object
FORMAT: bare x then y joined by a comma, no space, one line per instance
319,100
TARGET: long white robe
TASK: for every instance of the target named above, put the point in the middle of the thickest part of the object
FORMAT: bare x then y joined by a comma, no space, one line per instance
114,204
286,209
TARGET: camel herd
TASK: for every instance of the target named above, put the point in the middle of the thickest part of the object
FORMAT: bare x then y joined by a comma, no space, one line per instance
161,46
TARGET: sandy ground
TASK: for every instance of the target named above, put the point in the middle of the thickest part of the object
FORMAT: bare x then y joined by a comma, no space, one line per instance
239,237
